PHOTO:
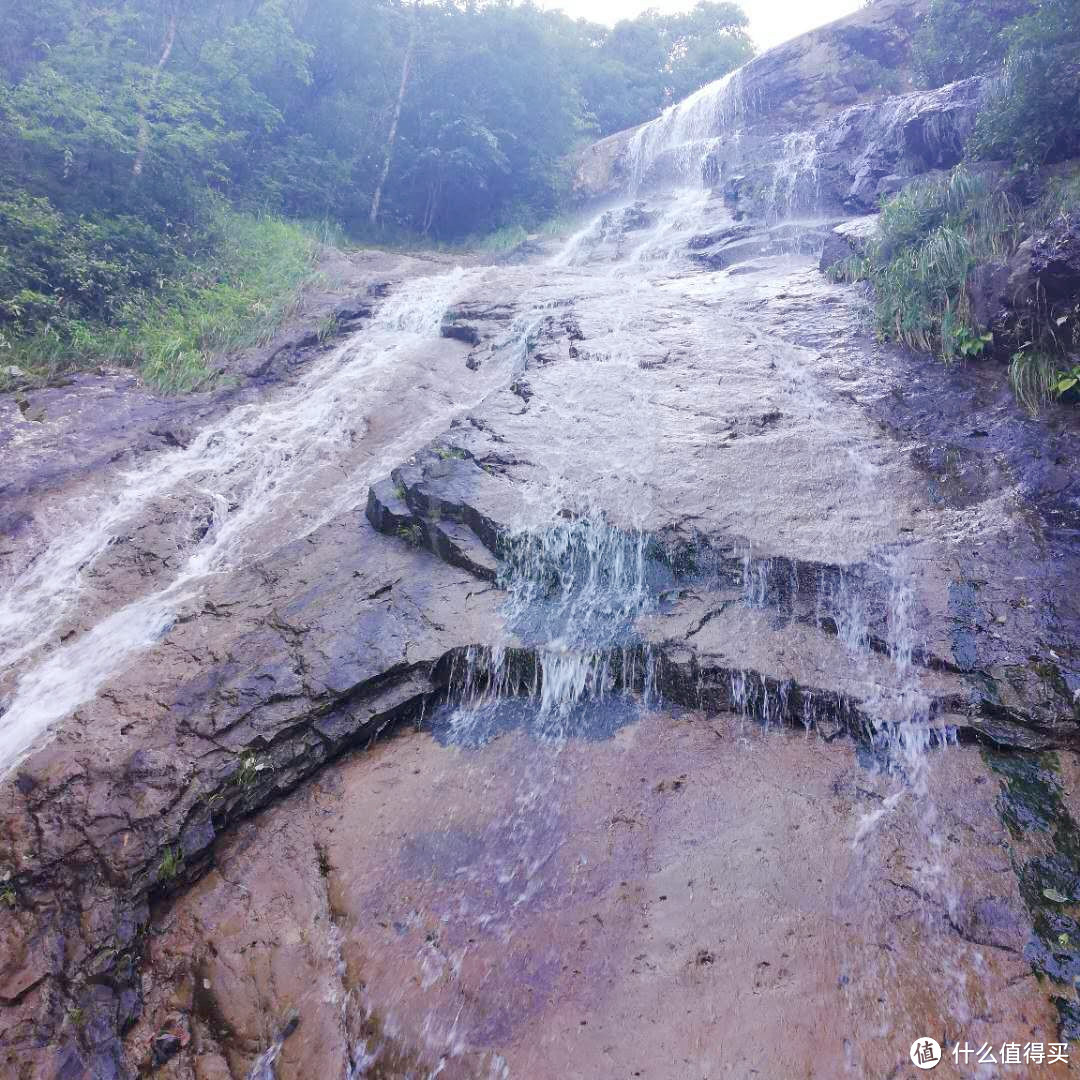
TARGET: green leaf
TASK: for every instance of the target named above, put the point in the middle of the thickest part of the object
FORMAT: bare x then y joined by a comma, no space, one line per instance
1053,894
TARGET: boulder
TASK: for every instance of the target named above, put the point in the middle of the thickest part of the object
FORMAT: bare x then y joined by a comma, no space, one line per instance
848,238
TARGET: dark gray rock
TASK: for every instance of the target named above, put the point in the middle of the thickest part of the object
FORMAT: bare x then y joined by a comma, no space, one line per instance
1055,260
460,331
988,291
166,1046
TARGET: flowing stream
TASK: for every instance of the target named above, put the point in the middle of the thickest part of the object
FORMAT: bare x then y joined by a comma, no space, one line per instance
268,461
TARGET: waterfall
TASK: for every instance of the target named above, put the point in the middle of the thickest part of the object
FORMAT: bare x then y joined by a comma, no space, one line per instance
696,566
682,137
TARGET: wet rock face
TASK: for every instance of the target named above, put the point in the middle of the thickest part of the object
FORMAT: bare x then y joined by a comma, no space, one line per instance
693,874
329,657
790,88
870,151
849,238
767,480
1055,260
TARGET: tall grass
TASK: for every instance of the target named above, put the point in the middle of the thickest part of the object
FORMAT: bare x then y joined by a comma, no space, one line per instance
931,237
247,282
1033,375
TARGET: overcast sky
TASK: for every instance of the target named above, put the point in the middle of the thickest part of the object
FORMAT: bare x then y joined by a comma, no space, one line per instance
771,21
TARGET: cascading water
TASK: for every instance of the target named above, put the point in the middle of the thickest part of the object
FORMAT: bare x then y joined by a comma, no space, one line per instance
263,460
795,189
708,542
574,591
677,144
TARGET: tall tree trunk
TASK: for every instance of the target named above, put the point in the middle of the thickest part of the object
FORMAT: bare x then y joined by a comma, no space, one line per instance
406,67
143,139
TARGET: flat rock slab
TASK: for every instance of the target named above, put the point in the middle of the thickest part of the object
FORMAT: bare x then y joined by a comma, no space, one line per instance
690,897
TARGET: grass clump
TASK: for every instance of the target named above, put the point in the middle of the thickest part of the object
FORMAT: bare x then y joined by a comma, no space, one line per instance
232,294
931,237
503,240
248,770
510,237
1033,374
172,862
412,534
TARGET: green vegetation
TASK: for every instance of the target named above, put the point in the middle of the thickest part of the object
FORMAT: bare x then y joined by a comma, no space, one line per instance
1032,806
961,38
172,862
1068,379
249,768
411,534
8,896
1034,376
235,296
150,152
1032,118
936,234
1034,48
932,236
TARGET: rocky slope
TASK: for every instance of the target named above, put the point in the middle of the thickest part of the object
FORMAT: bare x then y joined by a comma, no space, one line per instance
661,496
826,122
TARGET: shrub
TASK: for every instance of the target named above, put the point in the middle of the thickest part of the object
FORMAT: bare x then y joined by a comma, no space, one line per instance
234,291
1032,116
960,38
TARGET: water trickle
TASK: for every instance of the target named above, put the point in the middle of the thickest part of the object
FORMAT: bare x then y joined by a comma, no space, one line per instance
796,188
574,591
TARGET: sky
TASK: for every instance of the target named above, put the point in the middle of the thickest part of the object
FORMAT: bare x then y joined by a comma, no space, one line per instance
771,21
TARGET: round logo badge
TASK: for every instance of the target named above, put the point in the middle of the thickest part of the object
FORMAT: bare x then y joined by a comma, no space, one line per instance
925,1053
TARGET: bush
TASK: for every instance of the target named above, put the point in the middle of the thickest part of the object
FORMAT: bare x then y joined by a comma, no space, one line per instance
931,236
232,295
56,269
1032,118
